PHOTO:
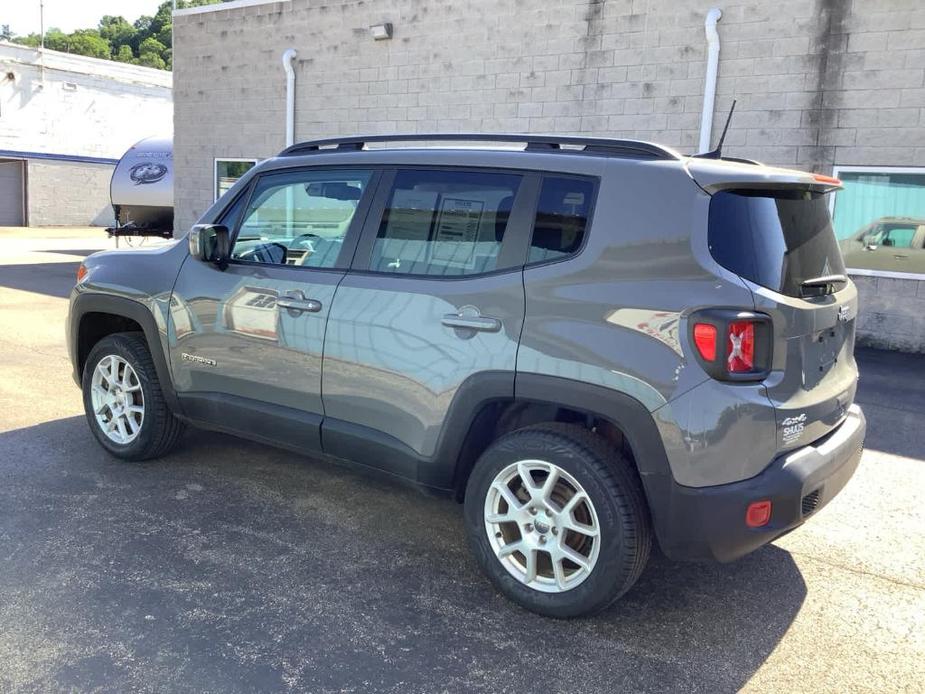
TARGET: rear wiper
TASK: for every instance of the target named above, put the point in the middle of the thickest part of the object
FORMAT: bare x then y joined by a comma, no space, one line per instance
830,283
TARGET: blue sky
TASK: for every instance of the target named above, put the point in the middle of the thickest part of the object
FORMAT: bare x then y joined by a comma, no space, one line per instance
67,15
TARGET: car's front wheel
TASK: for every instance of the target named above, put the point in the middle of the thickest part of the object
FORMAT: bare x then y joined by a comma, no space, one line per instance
123,401
557,519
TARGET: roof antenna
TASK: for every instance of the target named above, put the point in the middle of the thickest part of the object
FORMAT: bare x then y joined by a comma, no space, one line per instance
718,152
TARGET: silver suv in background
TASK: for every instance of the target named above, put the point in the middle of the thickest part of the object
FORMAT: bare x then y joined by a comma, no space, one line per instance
593,344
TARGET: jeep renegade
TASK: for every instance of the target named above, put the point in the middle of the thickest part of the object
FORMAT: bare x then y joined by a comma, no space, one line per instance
594,344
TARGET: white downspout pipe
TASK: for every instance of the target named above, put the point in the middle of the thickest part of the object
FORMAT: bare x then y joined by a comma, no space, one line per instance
709,87
288,56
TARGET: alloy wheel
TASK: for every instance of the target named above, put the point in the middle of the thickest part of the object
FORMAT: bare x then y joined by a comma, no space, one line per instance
542,526
117,399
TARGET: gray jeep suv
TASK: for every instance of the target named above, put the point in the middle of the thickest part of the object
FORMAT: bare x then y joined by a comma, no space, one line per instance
593,344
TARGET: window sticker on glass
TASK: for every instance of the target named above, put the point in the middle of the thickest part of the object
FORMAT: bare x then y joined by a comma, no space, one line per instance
457,231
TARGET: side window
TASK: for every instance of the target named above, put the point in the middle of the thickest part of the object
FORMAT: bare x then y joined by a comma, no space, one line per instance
561,217
444,222
299,218
899,236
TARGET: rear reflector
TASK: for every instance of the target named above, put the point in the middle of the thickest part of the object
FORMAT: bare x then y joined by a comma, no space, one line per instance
705,340
741,347
758,514
822,178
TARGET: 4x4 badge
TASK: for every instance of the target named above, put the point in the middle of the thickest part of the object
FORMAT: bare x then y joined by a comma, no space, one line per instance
844,312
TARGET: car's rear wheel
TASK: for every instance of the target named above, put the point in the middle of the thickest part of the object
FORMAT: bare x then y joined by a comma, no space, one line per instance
557,519
123,401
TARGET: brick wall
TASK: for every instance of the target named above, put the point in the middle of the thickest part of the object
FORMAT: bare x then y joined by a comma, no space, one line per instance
68,194
892,313
817,82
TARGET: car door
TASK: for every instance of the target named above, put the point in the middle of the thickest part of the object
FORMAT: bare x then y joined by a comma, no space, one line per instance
432,308
246,341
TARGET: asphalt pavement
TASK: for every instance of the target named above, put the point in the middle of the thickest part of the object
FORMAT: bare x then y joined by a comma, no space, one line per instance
231,566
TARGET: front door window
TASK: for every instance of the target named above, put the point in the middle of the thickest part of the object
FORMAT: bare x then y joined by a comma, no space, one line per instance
299,218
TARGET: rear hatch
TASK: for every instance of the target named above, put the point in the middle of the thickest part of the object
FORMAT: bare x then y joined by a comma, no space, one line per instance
774,231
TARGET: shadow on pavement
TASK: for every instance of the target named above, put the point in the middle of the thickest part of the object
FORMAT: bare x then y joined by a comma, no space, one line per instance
51,279
891,391
232,566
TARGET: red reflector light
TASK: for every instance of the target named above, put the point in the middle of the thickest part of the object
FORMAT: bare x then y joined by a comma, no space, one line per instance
822,178
741,346
81,272
705,340
758,514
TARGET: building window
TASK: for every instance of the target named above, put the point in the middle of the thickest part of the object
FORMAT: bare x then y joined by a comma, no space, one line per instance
879,219
228,171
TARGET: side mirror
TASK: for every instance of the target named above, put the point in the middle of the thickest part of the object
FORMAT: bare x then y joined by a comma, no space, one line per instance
210,243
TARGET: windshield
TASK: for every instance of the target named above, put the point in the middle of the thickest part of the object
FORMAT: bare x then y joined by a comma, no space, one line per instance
776,239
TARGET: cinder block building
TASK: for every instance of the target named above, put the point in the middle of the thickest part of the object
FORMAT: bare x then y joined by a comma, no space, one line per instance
834,86
64,122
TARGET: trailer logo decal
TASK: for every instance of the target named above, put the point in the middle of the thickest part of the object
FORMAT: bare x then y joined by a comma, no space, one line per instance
148,172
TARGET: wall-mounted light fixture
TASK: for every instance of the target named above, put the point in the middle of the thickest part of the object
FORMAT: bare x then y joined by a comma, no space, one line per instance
381,32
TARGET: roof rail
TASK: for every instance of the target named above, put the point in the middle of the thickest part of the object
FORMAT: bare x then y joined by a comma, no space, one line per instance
631,149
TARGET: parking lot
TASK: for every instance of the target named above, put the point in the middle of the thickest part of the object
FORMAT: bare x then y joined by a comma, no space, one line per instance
230,566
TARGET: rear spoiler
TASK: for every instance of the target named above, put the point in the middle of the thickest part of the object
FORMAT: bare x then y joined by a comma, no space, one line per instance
714,175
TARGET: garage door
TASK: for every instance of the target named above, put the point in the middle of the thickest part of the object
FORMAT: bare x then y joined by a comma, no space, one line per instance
11,192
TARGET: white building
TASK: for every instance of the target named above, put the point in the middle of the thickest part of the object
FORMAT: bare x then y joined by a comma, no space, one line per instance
64,122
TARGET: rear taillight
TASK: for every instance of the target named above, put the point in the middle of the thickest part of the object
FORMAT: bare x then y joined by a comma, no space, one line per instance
740,335
732,345
705,340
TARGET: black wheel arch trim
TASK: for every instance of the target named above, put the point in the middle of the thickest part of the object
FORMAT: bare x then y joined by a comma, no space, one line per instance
632,418
122,307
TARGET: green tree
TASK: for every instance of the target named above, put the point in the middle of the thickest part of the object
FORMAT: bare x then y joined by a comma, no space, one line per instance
147,41
117,30
89,42
124,54
152,60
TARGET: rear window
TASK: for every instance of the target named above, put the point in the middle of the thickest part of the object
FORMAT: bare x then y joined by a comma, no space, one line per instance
777,240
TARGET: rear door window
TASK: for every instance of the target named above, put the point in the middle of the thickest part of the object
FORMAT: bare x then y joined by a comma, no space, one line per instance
775,239
446,223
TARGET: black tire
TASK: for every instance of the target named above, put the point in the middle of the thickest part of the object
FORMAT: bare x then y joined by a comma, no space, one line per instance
160,429
613,487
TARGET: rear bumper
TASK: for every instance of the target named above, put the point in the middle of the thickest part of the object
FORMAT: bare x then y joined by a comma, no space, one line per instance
709,522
